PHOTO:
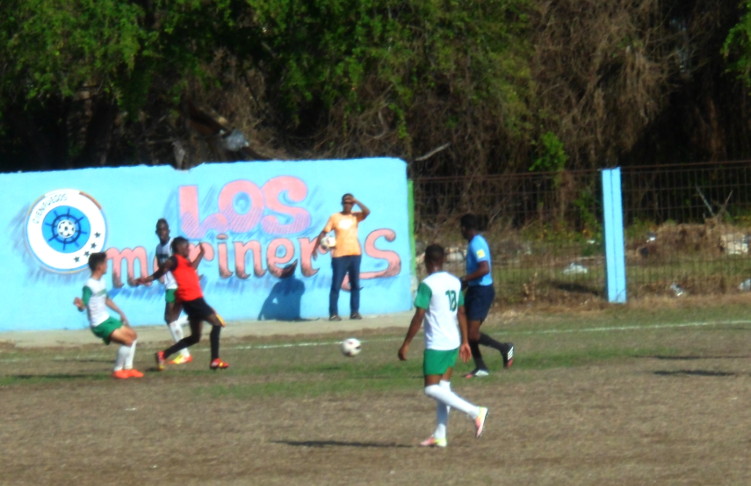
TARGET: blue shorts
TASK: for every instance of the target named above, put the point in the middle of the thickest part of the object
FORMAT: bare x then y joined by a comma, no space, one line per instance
477,301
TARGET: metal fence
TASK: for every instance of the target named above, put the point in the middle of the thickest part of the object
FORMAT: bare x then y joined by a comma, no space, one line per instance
686,229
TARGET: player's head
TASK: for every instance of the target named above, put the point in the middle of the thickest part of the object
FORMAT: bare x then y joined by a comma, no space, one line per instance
470,224
98,261
162,230
434,257
180,246
347,202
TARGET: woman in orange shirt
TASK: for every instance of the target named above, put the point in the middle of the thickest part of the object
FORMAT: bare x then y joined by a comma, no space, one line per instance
346,256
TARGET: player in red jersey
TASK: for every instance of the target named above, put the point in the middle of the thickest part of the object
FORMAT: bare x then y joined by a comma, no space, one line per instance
189,293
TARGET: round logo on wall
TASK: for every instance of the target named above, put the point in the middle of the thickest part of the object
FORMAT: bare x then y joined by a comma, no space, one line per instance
64,227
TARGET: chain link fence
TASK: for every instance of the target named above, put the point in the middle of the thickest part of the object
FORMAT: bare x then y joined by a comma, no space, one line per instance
686,230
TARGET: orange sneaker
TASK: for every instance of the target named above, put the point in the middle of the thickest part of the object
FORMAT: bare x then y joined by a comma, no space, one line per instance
121,374
218,364
160,361
180,359
433,442
134,373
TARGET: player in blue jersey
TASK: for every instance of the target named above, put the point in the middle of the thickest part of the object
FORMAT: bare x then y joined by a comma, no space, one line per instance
479,296
439,305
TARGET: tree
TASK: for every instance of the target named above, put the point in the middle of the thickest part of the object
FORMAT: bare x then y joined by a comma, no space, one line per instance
737,46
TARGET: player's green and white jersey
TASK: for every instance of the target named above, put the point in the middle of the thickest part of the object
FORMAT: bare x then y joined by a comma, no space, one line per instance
440,294
95,299
163,252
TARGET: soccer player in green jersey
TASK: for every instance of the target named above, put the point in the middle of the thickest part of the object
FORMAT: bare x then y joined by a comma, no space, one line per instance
95,302
439,305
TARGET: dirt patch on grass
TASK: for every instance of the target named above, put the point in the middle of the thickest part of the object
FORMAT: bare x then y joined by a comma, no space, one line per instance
673,419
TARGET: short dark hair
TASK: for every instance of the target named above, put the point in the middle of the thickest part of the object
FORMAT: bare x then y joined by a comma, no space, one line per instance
161,221
346,196
176,241
95,259
434,253
470,221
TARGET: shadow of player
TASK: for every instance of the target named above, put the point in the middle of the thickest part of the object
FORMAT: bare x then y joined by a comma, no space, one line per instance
283,303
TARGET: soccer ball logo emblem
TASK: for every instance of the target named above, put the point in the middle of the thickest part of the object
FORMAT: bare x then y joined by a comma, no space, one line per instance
64,227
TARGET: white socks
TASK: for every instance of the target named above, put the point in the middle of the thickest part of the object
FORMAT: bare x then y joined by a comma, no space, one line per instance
131,355
451,399
176,331
121,357
442,413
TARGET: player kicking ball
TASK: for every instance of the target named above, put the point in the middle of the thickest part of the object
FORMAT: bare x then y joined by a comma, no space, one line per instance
95,302
440,305
189,293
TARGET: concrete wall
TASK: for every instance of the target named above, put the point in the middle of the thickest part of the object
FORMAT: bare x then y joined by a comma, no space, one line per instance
253,218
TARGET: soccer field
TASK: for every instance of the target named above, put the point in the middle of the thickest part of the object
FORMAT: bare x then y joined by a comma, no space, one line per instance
655,393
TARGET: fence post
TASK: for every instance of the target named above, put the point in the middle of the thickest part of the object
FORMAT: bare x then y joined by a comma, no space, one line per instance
615,256
412,243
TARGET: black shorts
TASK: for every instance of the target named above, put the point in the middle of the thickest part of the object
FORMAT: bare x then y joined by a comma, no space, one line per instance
477,301
197,309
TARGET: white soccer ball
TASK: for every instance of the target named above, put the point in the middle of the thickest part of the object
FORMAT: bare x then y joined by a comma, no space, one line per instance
328,241
351,347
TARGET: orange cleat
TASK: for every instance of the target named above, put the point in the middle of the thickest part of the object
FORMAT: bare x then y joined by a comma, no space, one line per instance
218,364
160,361
134,373
180,359
121,374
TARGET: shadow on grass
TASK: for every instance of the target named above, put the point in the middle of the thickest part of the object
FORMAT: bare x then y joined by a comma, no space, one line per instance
574,287
56,376
694,373
339,443
692,358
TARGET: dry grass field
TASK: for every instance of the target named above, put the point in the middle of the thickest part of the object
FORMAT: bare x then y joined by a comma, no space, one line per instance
655,393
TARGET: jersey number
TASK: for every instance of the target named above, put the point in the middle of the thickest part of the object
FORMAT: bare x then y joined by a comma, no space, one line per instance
451,294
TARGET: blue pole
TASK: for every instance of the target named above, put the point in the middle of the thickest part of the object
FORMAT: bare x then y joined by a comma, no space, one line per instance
615,255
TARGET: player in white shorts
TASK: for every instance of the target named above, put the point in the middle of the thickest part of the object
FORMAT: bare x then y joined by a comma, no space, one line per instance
172,308
95,301
439,304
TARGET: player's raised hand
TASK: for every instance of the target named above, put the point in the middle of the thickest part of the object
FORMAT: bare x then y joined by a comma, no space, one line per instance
79,303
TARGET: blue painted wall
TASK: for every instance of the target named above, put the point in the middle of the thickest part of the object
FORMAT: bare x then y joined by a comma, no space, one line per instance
253,219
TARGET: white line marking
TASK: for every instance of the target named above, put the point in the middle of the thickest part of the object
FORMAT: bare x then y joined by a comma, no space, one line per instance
635,327
543,331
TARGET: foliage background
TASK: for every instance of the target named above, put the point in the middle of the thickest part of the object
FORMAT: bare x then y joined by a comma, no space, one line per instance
466,88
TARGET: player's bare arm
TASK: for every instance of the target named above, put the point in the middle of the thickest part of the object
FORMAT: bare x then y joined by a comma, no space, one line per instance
414,327
482,269
363,208
314,252
167,265
199,258
79,304
111,304
464,351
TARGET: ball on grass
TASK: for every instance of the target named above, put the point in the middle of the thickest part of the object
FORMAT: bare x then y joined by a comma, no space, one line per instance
351,347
